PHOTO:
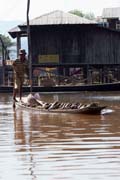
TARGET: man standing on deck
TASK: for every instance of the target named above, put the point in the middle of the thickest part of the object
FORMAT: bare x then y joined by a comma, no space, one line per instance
20,68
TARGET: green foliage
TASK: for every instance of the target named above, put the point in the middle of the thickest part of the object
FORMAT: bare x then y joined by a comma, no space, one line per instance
77,12
89,15
5,42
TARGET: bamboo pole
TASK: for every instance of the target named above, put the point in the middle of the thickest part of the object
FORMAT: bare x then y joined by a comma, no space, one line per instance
29,46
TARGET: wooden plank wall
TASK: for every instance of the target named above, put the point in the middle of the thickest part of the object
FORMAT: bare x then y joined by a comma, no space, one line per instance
77,44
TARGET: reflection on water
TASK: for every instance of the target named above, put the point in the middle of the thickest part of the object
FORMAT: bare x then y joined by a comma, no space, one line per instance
37,146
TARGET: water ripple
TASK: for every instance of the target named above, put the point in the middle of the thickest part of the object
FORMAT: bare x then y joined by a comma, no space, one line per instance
58,147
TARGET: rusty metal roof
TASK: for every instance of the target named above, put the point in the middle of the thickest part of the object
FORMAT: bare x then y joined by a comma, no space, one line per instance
111,12
59,17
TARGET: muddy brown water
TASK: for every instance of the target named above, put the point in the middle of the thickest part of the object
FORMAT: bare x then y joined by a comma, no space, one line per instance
39,146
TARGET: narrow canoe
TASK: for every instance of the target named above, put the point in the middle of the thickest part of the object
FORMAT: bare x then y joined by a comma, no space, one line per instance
83,110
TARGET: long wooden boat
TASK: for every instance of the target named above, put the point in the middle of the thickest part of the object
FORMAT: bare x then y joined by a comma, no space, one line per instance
93,110
86,87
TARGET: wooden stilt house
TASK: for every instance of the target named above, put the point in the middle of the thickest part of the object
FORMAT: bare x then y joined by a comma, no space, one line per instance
70,50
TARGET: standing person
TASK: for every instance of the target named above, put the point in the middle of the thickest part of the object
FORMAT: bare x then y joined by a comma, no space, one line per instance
20,68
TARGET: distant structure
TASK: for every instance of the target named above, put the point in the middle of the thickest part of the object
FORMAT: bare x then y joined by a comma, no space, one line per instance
111,18
73,46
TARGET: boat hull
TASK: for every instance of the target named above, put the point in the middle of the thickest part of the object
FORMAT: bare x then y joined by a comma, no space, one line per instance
84,110
92,87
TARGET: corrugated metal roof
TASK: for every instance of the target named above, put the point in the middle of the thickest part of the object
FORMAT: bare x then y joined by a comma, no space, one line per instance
111,12
59,17
53,18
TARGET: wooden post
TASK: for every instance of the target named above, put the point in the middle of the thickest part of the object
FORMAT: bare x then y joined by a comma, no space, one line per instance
29,46
18,44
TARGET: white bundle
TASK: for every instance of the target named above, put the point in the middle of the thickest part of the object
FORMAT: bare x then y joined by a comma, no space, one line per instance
30,99
37,96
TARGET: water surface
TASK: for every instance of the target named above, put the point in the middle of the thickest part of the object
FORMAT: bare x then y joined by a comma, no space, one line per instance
43,146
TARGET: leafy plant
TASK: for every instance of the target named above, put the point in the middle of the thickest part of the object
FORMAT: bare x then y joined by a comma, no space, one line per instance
5,43
89,15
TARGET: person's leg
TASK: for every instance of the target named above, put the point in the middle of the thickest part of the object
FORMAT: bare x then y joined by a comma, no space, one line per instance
20,91
20,88
14,97
16,88
14,94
